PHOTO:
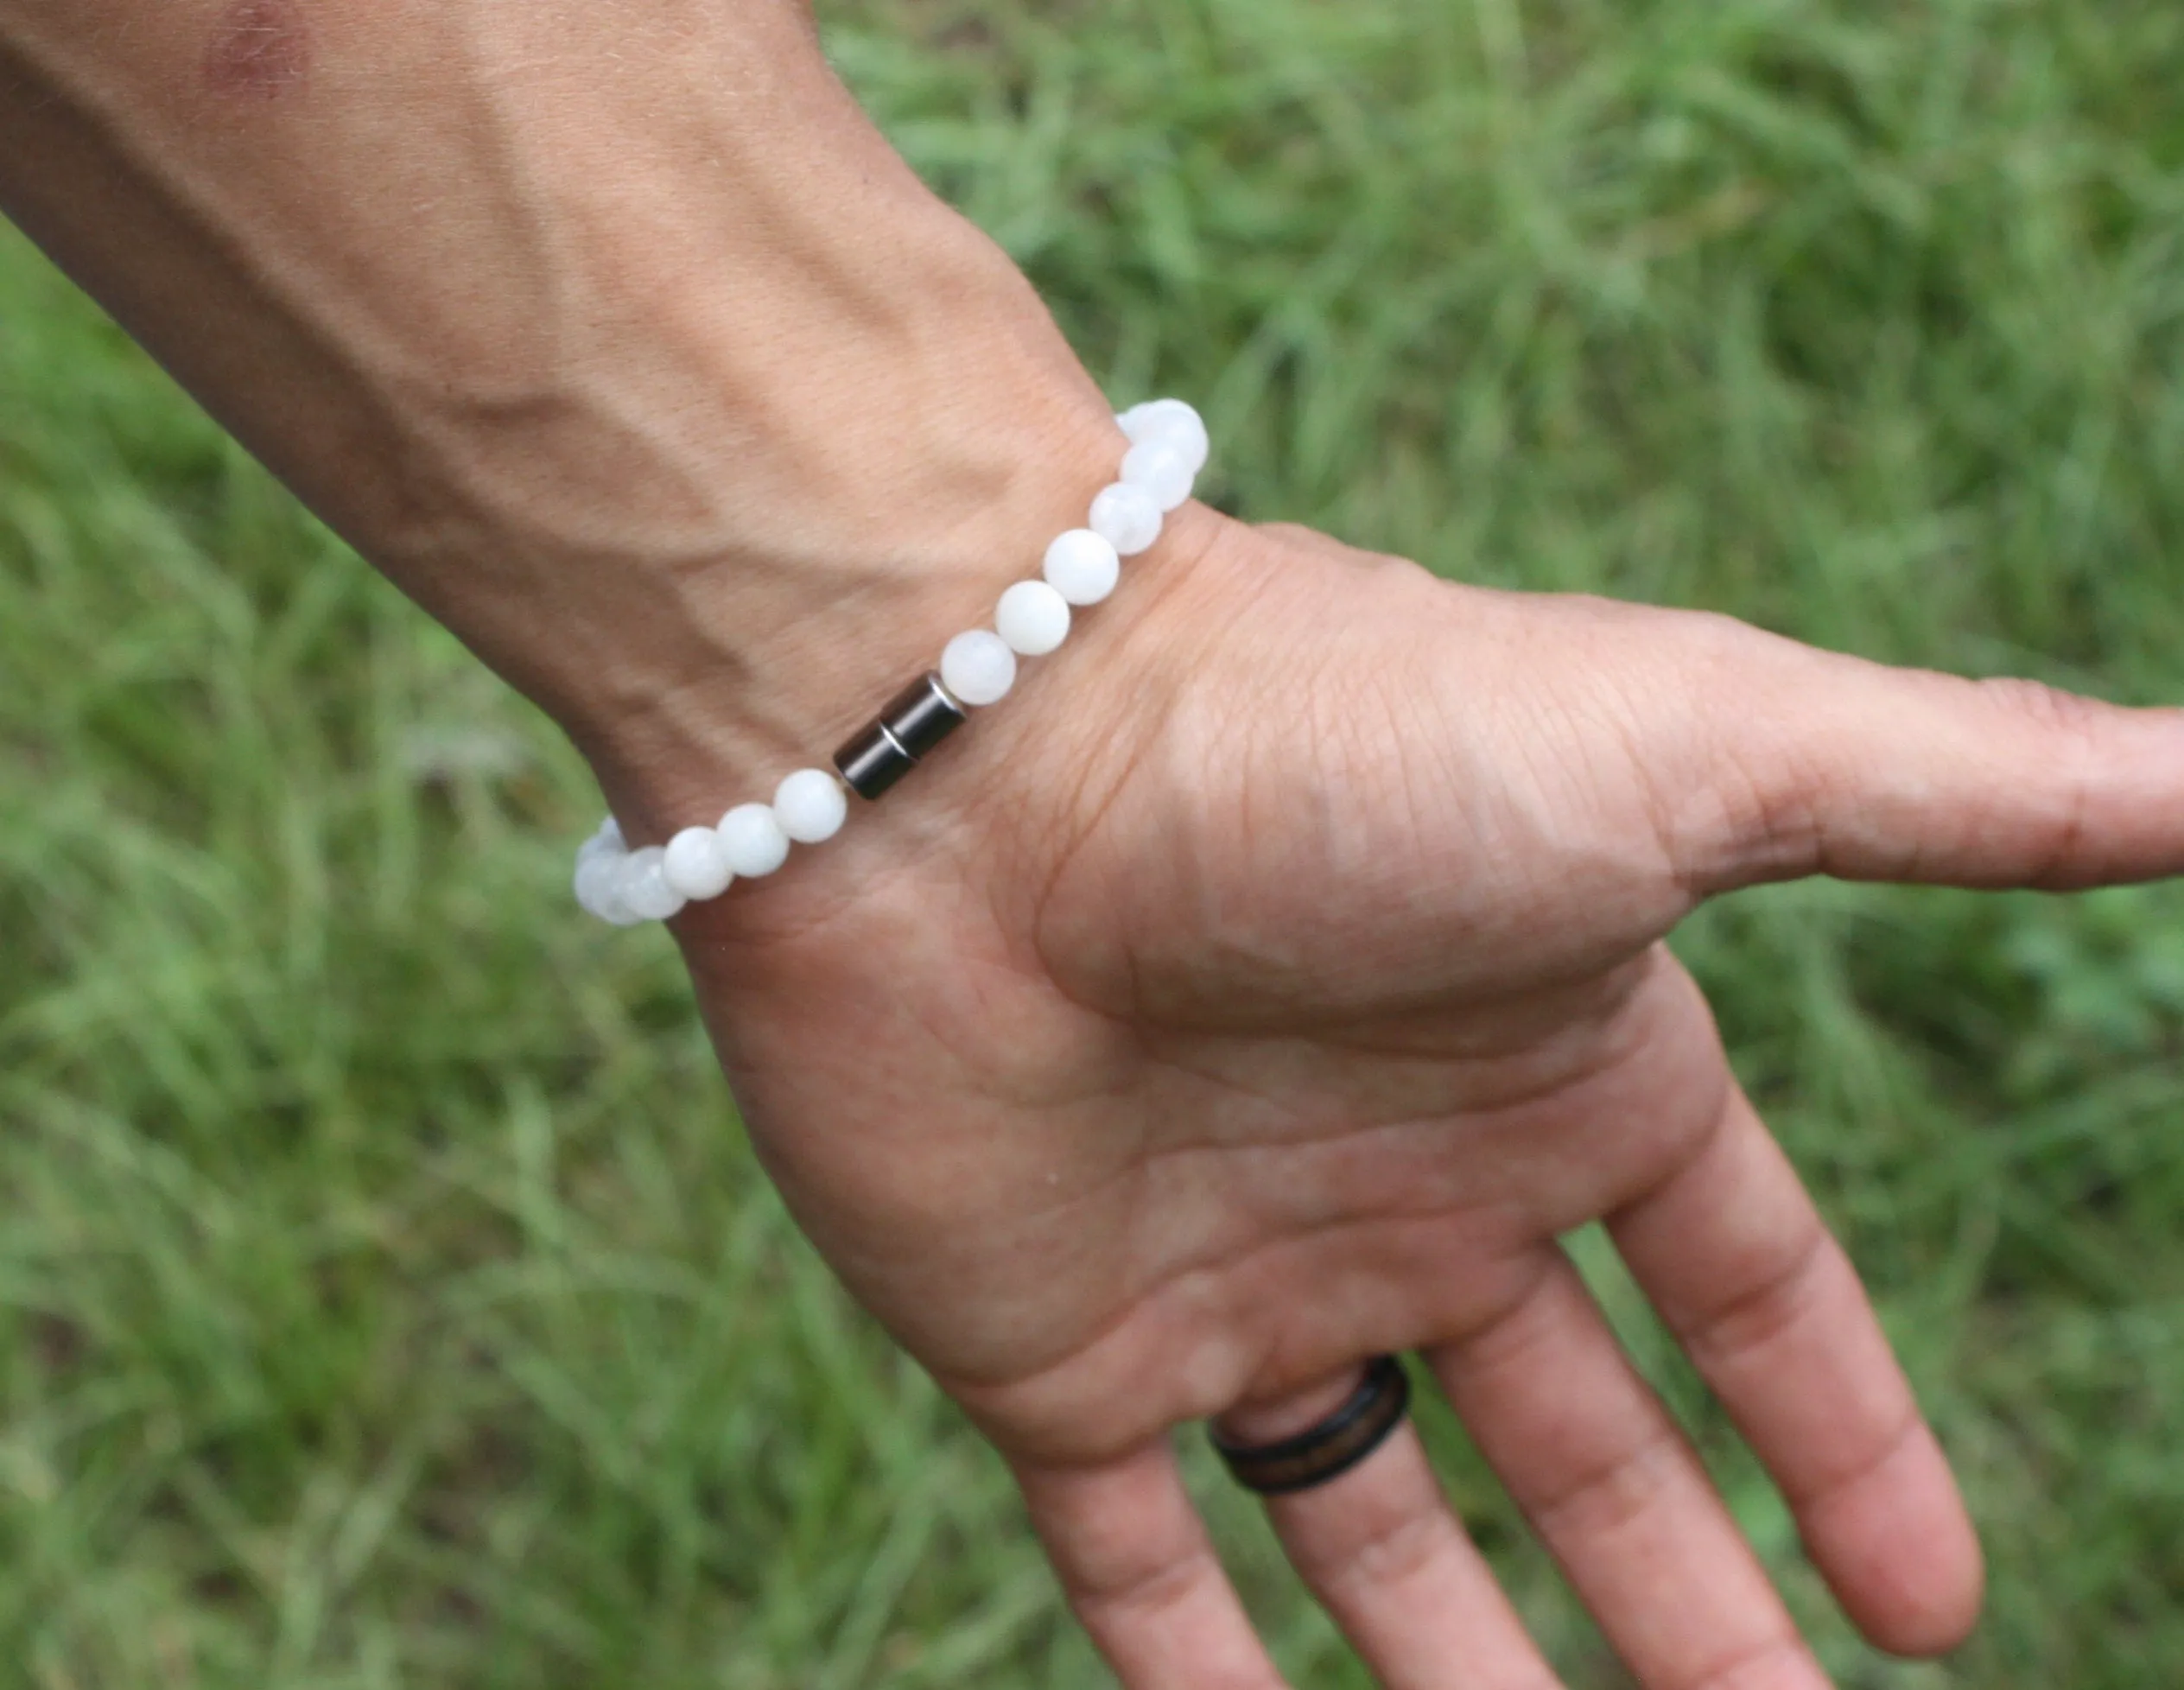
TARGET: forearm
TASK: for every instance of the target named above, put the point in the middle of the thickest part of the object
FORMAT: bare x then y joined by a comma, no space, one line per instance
615,335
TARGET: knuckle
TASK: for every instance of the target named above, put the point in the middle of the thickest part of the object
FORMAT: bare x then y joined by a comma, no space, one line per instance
1392,1551
1764,1661
1602,1501
1405,1551
1875,1456
1770,805
2062,739
1737,794
1136,1595
1766,1303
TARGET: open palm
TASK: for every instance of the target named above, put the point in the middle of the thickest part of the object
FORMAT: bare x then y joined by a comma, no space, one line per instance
1275,979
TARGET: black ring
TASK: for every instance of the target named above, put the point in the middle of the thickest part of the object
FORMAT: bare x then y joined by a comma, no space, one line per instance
1331,1449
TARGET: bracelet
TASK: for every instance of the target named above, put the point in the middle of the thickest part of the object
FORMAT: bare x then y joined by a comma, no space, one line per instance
1168,447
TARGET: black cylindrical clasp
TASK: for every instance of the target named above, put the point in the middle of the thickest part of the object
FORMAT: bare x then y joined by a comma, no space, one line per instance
921,715
889,746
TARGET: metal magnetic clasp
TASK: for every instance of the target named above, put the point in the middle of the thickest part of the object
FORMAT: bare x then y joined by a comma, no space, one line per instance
890,746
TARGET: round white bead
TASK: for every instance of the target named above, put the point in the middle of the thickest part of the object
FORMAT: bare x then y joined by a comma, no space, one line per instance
597,865
978,667
1172,422
617,913
1127,518
695,865
601,844
610,832
1082,567
811,806
1032,618
753,841
1161,469
642,886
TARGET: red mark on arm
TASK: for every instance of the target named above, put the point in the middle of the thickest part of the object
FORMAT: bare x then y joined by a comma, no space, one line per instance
260,50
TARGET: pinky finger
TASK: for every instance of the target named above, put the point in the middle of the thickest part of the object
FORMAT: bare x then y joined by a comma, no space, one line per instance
1141,1575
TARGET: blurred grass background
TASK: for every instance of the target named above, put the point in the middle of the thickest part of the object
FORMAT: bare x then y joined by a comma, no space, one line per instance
386,1294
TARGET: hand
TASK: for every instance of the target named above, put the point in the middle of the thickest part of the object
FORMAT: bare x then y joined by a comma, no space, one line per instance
1273,978
1269,984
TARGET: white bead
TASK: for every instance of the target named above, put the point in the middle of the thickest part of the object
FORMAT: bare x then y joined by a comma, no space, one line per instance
811,806
1161,469
613,910
641,886
1127,518
596,868
1173,422
753,840
695,865
610,832
601,844
1082,567
978,667
1032,618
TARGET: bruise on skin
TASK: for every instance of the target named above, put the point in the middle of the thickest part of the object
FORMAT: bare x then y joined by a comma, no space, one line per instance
261,50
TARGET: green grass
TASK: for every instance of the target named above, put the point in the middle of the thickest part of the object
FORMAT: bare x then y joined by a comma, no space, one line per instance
386,1295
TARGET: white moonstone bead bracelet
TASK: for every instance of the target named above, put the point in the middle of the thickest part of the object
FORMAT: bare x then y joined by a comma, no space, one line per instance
1168,447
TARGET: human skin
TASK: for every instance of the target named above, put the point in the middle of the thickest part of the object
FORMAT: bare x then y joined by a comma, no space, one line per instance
1270,982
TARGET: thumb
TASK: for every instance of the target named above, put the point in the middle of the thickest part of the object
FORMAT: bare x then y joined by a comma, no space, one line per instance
1819,764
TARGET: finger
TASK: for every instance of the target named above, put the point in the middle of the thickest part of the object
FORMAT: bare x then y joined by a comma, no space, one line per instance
1388,1559
1141,1575
1618,1496
1818,762
1738,1262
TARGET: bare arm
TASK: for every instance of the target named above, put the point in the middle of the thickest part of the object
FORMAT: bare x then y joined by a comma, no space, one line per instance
615,334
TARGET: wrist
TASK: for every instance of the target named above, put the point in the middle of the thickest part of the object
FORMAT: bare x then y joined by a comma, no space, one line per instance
1144,501
882,504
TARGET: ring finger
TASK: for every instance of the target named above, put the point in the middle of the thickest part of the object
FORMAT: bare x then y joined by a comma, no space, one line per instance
1386,1557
